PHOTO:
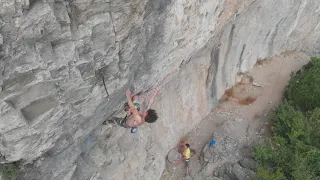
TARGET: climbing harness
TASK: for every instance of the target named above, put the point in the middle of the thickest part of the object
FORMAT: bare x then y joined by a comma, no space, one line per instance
105,87
137,106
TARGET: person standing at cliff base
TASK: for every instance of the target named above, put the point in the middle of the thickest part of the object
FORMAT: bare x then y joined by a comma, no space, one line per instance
137,115
186,157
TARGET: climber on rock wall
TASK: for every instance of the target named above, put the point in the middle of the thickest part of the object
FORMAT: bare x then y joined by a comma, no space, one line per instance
137,115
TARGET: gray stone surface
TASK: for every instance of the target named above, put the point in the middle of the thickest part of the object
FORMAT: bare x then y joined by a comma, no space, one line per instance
52,53
242,173
248,163
233,142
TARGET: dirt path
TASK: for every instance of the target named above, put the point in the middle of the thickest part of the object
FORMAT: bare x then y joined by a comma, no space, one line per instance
269,79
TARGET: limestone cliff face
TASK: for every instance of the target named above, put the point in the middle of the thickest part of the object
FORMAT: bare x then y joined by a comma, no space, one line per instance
54,52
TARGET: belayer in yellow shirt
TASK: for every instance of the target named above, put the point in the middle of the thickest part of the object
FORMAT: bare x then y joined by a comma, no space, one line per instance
186,157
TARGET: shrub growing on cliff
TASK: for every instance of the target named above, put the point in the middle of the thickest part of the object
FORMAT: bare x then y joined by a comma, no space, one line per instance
10,171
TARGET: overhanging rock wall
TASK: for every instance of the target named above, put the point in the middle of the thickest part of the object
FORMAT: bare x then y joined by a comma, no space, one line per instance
53,53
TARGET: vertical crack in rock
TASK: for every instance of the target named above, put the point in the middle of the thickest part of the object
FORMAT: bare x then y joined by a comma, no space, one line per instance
212,71
301,7
230,39
241,56
113,27
273,35
115,41
73,14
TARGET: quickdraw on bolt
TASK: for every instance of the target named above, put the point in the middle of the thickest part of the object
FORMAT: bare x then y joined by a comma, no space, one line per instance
105,87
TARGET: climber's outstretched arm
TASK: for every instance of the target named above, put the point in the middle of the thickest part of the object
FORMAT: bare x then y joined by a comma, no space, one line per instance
154,94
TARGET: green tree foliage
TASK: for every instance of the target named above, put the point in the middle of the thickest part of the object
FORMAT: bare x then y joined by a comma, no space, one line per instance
266,174
288,122
304,87
293,151
314,127
263,154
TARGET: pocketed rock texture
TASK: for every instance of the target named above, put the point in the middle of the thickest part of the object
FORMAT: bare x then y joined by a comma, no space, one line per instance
54,52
